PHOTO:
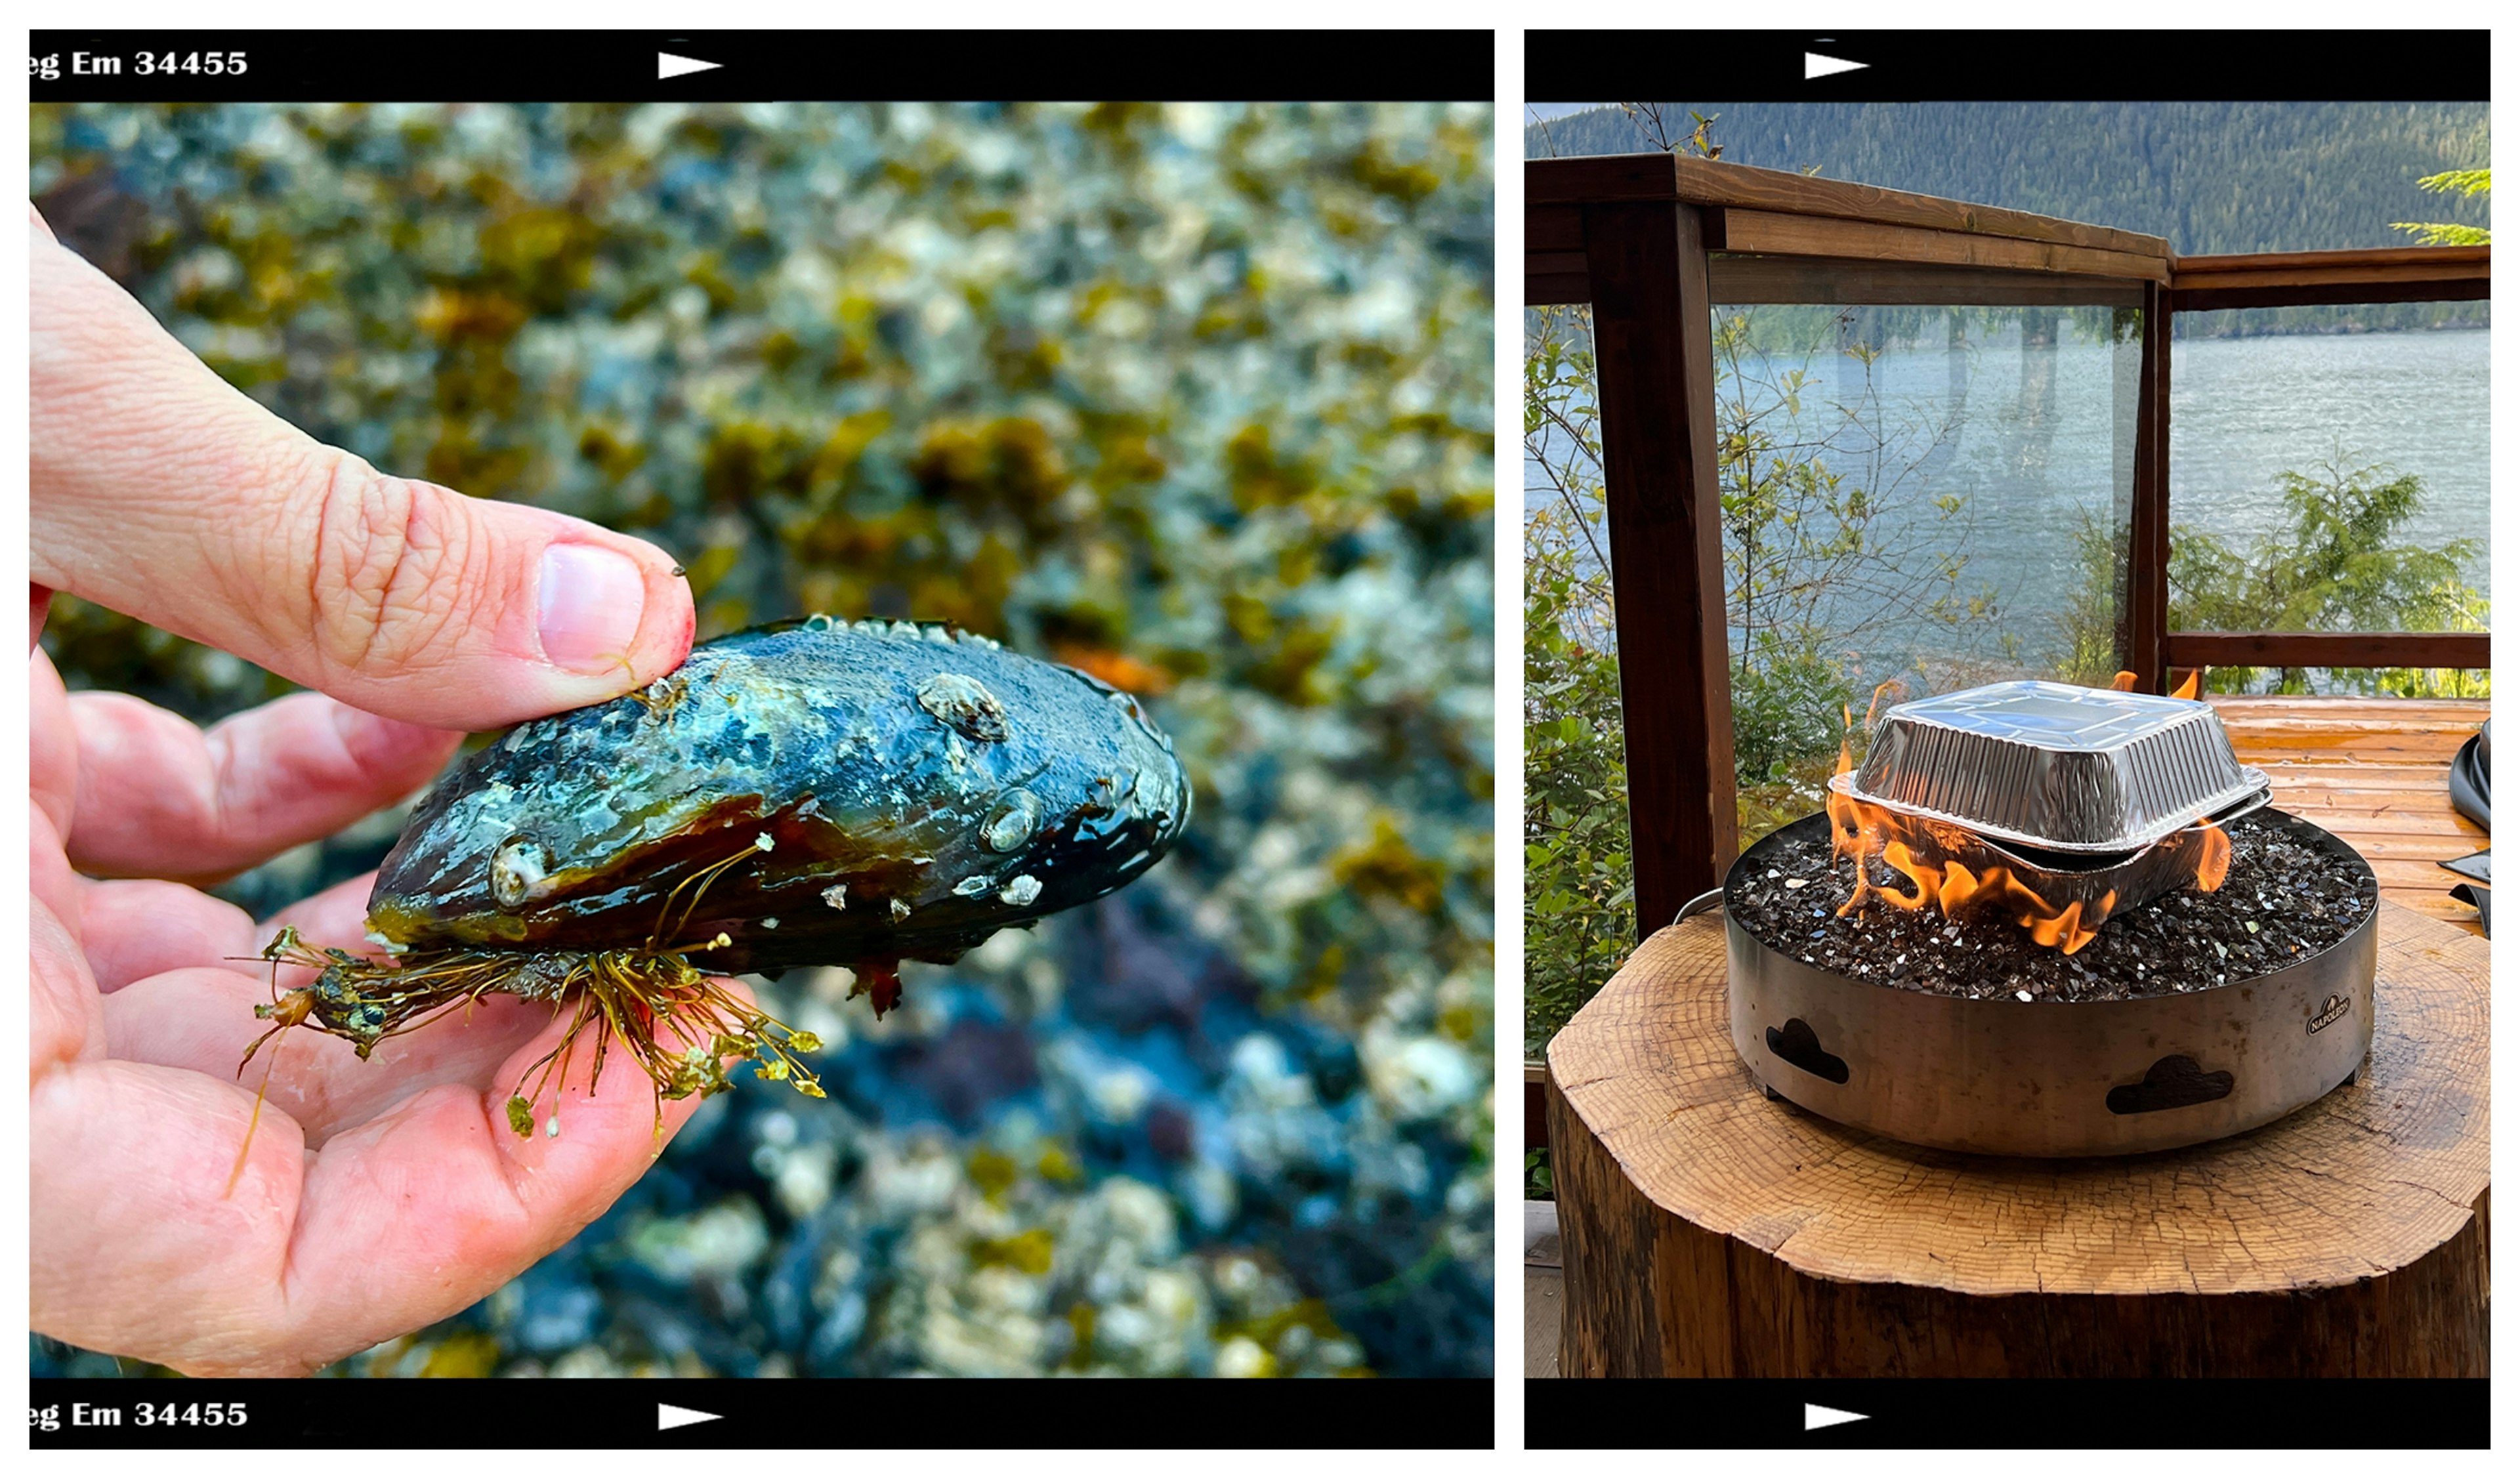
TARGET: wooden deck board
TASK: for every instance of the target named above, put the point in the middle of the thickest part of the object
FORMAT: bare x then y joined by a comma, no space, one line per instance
2376,773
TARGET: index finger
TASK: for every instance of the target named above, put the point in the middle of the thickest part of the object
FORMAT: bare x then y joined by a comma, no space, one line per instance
160,798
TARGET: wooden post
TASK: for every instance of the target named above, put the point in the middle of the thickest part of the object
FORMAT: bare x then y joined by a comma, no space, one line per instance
1654,347
1710,1231
1535,1107
2148,537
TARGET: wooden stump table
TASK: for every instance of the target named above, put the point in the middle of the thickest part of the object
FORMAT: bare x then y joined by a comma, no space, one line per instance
1711,1231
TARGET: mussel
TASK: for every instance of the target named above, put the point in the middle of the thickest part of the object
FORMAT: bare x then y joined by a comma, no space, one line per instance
807,793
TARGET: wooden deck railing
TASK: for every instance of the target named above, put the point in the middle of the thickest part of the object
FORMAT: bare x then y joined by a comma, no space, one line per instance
1652,242
2289,279
2286,279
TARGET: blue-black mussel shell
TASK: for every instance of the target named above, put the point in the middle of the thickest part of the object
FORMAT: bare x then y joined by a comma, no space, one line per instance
888,790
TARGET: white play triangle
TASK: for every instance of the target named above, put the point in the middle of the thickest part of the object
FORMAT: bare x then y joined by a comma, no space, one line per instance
670,65
1816,66
1816,1416
669,1416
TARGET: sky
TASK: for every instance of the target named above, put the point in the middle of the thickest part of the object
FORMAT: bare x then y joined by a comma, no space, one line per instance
1541,111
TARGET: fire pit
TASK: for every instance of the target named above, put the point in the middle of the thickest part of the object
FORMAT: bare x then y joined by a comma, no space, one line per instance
2011,934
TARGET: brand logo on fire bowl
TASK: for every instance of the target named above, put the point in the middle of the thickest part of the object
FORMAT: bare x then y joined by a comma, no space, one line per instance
2329,1010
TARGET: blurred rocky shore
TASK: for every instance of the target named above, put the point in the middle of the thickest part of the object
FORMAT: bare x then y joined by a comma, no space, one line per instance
1199,398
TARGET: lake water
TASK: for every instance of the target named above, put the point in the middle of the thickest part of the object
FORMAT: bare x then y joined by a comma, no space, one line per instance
2243,409
2033,439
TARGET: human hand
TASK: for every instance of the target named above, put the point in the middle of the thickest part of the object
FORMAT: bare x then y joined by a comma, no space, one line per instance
373,1197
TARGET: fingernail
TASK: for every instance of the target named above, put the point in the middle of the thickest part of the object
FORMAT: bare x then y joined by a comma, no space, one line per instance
592,600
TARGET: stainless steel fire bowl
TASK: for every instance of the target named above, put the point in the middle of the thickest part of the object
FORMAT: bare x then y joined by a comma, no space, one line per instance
2006,1077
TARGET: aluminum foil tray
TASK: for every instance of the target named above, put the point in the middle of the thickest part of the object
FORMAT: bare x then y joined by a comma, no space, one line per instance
2056,766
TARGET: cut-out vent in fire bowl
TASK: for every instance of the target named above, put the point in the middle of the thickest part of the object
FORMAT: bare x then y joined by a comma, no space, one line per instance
2086,794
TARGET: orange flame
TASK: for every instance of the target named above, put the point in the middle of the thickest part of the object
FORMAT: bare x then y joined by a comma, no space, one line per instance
2124,682
2213,864
1917,850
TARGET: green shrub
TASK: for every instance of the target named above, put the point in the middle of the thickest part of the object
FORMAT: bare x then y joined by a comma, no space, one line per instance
1801,535
2330,567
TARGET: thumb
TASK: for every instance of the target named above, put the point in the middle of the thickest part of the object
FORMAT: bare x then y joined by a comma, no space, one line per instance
161,492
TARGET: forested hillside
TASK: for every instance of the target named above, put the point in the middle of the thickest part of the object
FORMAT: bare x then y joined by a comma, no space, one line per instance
2208,176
